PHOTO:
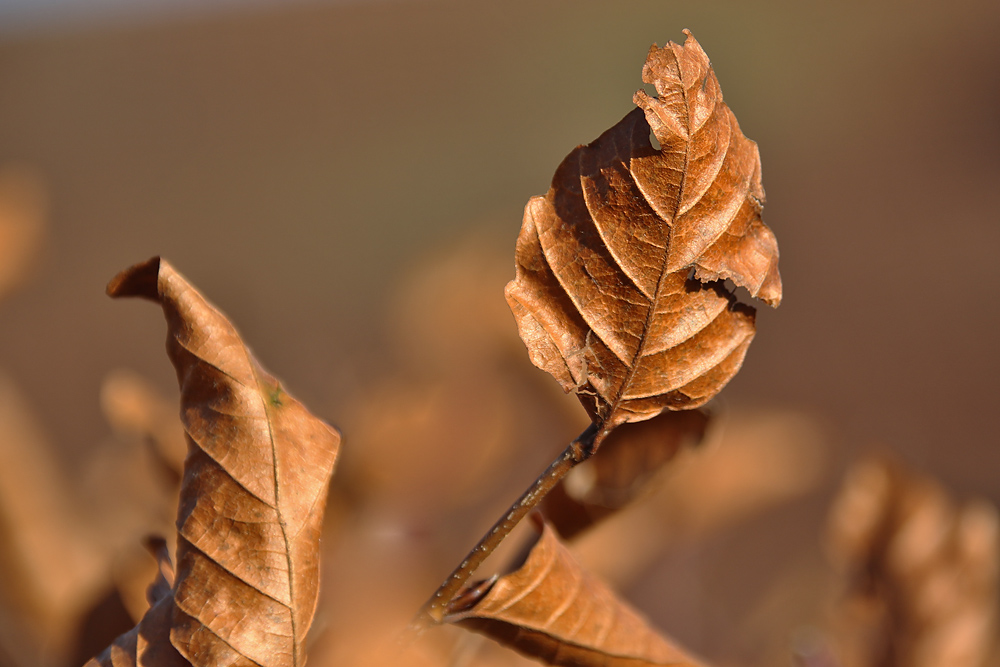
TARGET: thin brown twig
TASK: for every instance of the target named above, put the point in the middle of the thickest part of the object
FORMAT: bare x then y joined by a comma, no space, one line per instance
577,451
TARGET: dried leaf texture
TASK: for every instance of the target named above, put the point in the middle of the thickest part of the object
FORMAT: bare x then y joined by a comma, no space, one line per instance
603,296
922,571
252,499
553,610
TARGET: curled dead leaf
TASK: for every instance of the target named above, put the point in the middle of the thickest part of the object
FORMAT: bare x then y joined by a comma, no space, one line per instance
553,610
252,499
619,291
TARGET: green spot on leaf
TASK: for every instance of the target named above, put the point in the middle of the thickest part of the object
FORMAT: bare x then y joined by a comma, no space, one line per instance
275,396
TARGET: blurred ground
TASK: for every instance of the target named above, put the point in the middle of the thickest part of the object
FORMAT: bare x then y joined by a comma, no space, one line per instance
298,164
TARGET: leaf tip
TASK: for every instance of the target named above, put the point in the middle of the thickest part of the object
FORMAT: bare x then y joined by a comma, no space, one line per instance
689,39
140,279
770,289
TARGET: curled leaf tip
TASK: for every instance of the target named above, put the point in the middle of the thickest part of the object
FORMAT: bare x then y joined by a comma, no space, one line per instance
140,279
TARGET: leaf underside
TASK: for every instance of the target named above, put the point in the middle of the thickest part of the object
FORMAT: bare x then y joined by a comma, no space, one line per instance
553,610
252,499
619,288
621,470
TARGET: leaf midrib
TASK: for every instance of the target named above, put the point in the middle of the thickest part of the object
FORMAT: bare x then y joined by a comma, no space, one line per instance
281,518
644,340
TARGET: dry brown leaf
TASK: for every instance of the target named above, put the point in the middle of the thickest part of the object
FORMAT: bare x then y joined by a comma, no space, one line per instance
619,291
554,610
628,459
921,571
252,500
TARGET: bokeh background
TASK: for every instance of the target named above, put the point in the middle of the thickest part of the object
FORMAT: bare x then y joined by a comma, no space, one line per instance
310,166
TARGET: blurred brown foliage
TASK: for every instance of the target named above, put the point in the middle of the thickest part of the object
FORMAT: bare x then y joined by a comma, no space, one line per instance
619,290
921,571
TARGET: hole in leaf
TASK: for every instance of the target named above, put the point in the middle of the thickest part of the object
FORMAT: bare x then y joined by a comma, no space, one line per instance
740,293
739,297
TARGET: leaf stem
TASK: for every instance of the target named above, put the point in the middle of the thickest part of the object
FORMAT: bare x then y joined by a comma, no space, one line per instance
576,452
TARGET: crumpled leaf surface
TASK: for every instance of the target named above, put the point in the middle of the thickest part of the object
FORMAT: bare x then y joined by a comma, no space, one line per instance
554,610
252,499
618,292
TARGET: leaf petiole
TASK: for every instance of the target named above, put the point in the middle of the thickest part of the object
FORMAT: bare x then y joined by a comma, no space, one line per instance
579,450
